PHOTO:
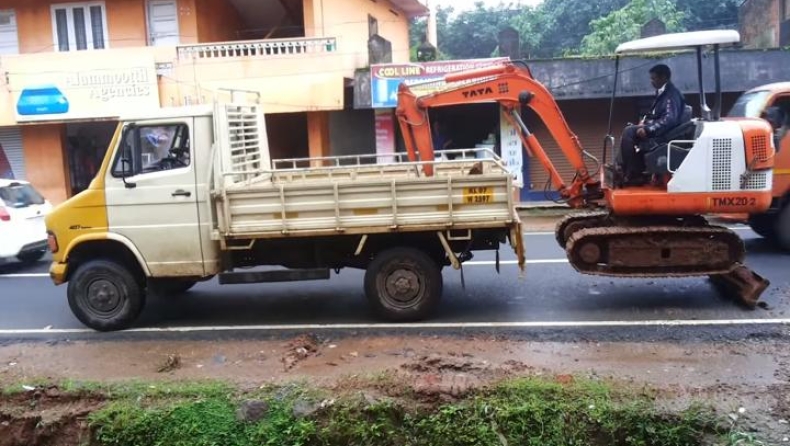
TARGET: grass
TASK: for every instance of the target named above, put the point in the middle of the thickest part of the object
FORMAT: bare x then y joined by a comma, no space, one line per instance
519,412
381,410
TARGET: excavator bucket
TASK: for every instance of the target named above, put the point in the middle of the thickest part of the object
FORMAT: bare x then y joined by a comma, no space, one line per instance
742,285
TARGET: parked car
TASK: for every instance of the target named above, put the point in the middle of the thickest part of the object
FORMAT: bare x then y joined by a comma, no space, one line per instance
23,235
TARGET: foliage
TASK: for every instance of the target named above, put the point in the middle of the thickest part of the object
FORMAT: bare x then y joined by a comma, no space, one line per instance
558,27
626,24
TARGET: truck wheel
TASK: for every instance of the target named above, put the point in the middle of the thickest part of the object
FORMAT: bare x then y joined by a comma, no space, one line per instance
105,296
170,287
763,225
782,228
403,284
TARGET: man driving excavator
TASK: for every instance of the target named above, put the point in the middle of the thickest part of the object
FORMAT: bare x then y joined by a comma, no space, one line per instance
666,114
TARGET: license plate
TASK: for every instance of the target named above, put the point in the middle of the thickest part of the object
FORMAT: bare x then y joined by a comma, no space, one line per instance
478,195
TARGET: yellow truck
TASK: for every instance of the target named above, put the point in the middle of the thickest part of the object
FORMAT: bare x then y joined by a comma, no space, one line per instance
189,194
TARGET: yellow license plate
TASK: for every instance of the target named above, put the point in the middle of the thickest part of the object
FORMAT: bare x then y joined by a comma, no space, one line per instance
478,195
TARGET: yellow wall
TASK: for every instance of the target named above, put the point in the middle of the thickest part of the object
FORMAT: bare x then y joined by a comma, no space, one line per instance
45,162
348,21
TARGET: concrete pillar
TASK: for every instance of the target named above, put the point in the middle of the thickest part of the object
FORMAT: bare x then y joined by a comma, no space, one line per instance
46,165
432,27
318,135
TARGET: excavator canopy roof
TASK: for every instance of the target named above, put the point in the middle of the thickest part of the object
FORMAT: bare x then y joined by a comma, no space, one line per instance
680,41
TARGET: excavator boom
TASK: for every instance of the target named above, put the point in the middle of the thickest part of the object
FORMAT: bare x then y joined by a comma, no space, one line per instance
512,87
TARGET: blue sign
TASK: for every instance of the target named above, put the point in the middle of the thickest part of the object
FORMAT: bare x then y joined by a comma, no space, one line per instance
42,100
384,92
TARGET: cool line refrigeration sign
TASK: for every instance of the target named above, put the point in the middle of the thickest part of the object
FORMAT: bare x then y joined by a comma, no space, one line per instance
385,78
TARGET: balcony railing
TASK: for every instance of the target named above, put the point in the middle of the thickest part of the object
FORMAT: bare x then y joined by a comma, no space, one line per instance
258,48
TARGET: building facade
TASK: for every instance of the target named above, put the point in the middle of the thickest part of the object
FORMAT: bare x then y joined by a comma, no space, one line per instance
69,70
765,23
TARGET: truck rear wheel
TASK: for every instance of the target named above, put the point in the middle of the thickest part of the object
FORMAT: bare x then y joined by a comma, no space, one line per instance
403,284
105,295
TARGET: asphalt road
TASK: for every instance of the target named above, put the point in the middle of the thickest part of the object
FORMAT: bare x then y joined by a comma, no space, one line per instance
550,291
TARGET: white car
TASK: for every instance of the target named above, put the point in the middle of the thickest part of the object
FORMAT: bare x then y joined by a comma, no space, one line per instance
23,234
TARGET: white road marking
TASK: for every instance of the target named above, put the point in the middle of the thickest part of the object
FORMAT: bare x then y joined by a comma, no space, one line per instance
428,325
23,276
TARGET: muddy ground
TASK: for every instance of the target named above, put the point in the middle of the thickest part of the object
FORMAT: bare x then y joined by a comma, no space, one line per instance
749,381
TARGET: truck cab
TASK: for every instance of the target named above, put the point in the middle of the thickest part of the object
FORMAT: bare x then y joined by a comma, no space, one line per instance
773,224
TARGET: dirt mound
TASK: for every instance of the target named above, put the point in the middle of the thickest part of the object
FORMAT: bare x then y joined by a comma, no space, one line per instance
300,349
46,417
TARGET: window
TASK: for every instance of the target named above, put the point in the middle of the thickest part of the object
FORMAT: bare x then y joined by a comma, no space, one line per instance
9,40
147,149
20,195
79,26
373,26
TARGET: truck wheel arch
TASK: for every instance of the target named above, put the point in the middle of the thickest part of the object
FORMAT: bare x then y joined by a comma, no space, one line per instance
106,246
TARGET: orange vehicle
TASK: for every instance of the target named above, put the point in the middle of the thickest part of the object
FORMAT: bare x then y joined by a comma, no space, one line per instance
705,165
773,224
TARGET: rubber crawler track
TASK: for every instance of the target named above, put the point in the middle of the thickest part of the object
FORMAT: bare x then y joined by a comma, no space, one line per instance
656,251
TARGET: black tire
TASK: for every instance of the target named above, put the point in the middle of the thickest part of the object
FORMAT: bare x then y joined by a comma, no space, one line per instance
169,287
31,256
782,228
105,296
420,279
763,225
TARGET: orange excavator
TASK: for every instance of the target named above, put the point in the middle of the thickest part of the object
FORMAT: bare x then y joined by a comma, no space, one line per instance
706,165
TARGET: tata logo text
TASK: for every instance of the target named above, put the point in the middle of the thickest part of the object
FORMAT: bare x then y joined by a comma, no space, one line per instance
476,92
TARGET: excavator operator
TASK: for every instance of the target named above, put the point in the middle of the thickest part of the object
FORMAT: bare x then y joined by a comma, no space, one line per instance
666,114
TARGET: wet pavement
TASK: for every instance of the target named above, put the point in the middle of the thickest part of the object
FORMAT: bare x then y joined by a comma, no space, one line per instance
549,291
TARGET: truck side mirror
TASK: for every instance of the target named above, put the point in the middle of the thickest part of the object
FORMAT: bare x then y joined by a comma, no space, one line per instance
128,185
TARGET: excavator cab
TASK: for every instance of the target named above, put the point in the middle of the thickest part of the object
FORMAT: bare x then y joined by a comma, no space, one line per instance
705,164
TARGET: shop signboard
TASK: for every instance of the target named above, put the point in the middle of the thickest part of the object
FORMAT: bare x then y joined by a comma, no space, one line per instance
512,149
385,136
423,77
87,86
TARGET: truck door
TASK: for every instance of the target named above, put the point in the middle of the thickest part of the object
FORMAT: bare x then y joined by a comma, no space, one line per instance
152,199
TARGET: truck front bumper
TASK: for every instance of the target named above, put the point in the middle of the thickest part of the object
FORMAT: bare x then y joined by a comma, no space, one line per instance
58,272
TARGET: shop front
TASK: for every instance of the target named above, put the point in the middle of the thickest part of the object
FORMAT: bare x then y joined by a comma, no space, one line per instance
465,126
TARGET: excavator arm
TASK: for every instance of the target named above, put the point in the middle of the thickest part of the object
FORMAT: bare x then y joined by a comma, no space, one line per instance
513,87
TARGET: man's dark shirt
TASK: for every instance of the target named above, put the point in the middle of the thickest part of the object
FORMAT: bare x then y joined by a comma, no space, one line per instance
667,112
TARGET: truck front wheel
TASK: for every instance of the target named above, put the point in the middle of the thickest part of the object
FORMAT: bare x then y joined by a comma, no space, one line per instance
403,284
105,295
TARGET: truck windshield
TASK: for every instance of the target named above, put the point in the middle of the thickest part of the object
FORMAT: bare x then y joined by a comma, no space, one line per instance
749,105
19,195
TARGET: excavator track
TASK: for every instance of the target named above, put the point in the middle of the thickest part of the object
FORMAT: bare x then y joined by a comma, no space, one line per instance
668,251
576,221
655,251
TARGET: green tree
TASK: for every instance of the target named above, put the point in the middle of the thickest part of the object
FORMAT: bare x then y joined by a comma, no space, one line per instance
626,23
566,22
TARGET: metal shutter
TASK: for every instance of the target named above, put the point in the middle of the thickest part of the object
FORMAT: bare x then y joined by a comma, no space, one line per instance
11,140
589,120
